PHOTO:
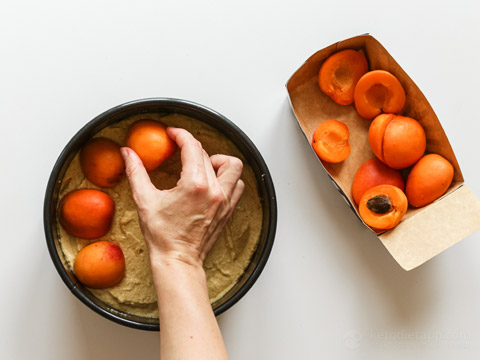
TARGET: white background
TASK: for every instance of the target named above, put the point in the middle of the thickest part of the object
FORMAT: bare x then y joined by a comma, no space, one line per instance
330,290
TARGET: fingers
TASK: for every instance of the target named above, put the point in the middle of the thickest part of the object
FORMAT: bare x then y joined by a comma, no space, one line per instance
209,170
142,187
237,193
193,167
228,170
235,197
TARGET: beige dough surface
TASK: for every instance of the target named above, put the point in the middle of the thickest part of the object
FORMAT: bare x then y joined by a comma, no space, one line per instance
227,260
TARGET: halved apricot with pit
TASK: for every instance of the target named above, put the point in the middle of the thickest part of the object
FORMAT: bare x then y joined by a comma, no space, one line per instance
383,207
330,141
102,162
378,91
429,179
373,173
340,73
398,141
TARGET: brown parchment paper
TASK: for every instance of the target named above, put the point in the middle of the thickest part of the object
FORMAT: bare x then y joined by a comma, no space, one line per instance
424,232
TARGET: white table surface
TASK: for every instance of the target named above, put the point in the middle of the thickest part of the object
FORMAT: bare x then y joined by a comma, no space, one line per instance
330,290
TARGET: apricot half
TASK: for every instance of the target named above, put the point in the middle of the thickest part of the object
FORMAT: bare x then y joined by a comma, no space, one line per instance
149,139
86,213
383,206
398,141
100,265
340,73
330,141
102,162
428,180
378,91
373,173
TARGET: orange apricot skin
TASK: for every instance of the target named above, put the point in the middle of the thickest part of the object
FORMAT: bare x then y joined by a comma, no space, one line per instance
429,179
330,141
340,73
373,173
390,219
378,91
102,163
149,139
398,141
100,265
86,213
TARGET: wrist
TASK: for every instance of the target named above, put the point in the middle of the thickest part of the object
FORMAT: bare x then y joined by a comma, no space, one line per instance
173,265
164,259
177,281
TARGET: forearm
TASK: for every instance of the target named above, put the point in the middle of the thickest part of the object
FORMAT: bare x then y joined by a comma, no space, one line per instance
188,328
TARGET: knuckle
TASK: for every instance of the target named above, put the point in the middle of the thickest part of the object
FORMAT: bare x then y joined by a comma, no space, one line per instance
236,164
198,187
233,163
216,157
216,196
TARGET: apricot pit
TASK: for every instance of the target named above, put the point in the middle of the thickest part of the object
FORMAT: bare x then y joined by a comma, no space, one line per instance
379,204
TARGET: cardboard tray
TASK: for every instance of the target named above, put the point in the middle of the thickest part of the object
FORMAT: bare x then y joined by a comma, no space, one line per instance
424,232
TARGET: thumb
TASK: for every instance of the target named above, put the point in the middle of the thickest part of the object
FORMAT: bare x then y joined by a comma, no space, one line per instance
142,187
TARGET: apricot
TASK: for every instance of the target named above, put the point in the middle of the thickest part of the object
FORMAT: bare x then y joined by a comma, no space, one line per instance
330,141
340,73
383,206
102,162
372,173
100,265
378,91
149,139
429,179
86,213
398,141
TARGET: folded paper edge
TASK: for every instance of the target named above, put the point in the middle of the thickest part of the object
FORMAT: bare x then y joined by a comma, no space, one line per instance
433,230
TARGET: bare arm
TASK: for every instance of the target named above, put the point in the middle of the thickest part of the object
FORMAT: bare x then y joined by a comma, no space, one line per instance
180,226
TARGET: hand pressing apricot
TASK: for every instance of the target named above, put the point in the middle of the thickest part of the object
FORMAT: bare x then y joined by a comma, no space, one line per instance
373,173
340,73
149,139
383,206
102,162
378,92
100,265
330,141
183,223
86,213
428,180
398,141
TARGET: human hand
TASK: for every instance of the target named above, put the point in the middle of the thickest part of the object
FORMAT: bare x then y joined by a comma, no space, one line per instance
184,222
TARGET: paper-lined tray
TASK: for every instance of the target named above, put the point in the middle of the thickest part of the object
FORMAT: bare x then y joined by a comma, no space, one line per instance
424,232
